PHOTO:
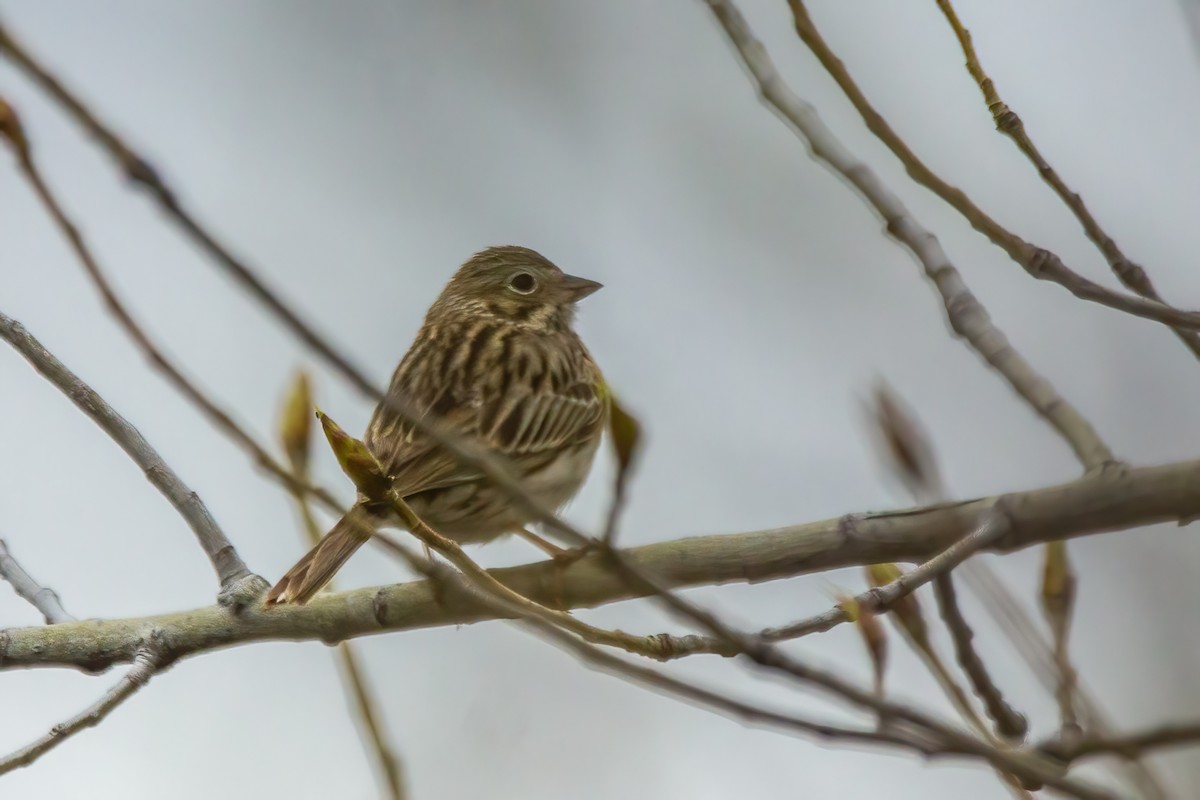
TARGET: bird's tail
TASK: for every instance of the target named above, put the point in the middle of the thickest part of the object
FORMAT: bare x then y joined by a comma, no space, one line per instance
317,568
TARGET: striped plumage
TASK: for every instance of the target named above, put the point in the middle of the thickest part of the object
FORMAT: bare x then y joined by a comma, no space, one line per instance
496,362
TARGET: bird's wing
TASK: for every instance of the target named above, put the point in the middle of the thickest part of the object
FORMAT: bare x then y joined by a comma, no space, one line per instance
533,421
525,424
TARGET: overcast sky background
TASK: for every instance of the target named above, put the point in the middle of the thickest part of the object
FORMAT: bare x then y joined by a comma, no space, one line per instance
357,152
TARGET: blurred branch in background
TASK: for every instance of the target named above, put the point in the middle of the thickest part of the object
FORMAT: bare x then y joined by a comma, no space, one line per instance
909,450
1191,14
295,434
1029,642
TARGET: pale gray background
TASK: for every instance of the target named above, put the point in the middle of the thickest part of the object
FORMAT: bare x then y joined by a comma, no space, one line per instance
356,152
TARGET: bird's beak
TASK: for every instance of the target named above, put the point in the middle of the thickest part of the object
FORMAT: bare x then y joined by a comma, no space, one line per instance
579,288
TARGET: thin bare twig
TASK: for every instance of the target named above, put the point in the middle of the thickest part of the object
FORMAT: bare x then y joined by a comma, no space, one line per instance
1037,261
649,646
43,598
909,451
993,525
228,565
145,665
1009,723
1127,746
453,583
966,315
1131,274
1027,639
947,740
1058,605
140,172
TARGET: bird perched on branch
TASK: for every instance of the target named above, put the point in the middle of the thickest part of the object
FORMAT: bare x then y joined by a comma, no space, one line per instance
497,363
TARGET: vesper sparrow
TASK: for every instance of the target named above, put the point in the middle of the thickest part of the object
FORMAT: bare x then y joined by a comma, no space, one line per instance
498,363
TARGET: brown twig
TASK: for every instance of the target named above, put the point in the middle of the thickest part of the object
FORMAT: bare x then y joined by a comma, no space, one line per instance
236,579
453,583
43,598
363,702
1131,274
967,317
909,452
993,525
145,664
139,171
1037,261
1127,746
1058,605
1027,639
649,646
948,741
1009,723
365,705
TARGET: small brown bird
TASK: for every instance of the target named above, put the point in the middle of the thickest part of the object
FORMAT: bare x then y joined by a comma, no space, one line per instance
498,363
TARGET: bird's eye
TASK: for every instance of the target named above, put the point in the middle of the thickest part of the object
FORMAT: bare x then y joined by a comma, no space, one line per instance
522,283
